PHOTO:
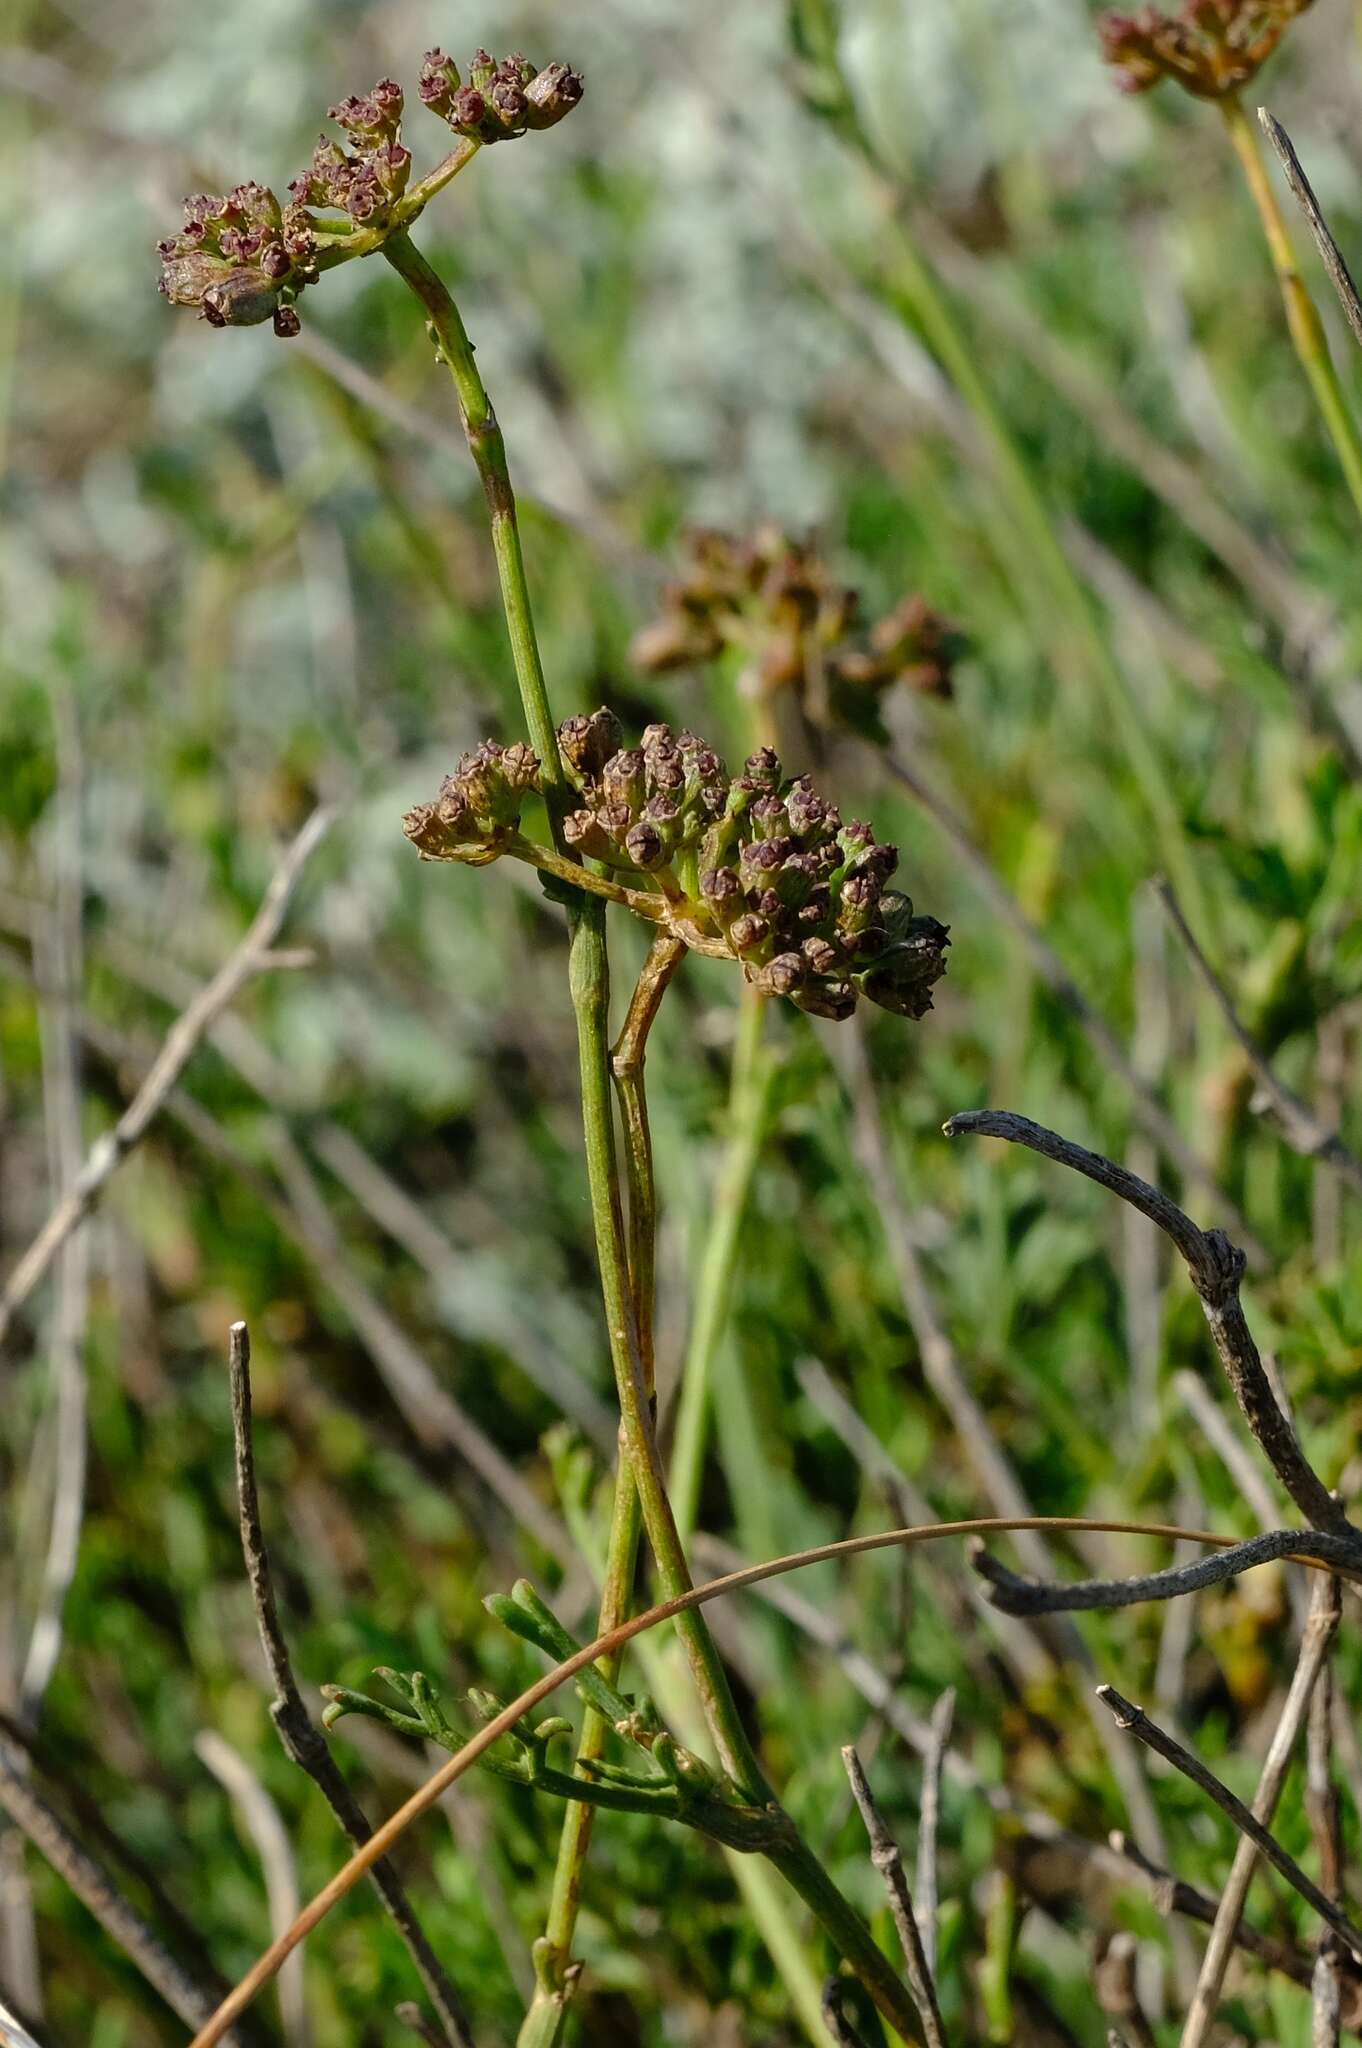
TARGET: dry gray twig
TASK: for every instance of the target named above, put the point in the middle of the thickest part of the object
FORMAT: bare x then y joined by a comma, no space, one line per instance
1339,275
187,1032
929,1814
1302,1129
192,1999
1216,1267
884,1854
1316,1641
1136,1722
303,1743
261,1820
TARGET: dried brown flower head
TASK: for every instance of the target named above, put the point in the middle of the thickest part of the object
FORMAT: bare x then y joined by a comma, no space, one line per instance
245,258
798,628
1211,48
752,866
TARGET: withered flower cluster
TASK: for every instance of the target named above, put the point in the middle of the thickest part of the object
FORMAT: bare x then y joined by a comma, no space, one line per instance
500,101
364,179
477,813
240,259
246,258
1211,48
751,866
798,626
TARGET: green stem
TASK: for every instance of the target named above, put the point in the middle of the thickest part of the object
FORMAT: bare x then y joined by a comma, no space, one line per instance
1302,316
749,1093
556,1973
588,974
489,455
589,981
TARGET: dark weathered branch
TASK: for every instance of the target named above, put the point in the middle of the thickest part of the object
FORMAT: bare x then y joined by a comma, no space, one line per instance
843,2034
1015,1595
302,1740
1137,1723
1216,1267
1303,1130
1339,276
884,1854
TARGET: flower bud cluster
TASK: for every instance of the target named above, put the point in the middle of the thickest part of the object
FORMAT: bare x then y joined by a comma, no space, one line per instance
500,100
365,178
761,863
1211,48
798,625
240,259
477,813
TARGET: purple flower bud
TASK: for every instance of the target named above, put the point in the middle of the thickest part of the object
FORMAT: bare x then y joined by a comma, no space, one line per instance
821,955
762,769
748,933
644,846
582,832
241,298
508,105
439,81
623,777
287,325
588,743
552,95
783,975
721,889
468,110
481,68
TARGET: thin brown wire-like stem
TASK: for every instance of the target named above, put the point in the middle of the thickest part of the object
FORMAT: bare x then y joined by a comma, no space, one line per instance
1316,1643
943,1713
884,1854
1301,1128
302,1740
1145,1105
1136,1722
187,1032
434,1789
1216,1268
1340,277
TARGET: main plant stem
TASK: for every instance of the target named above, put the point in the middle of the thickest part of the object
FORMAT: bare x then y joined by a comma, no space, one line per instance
1302,316
589,981
749,1092
556,1974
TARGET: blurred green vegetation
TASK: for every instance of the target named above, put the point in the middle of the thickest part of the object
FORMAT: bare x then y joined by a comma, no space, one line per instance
238,587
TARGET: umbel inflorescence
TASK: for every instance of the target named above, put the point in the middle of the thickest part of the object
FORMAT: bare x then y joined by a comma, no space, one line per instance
753,867
246,257
1211,48
797,627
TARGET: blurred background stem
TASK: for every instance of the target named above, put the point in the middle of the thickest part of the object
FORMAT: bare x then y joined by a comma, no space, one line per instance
1302,315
